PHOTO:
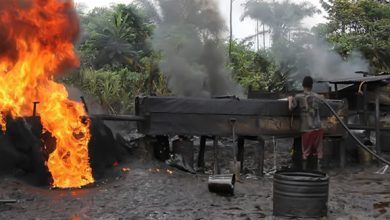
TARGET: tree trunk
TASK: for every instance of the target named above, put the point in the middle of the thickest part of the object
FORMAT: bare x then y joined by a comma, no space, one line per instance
231,29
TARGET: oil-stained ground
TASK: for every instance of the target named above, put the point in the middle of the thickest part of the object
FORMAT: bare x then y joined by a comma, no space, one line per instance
146,189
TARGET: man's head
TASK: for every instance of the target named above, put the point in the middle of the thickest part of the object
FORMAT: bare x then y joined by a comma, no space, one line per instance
307,83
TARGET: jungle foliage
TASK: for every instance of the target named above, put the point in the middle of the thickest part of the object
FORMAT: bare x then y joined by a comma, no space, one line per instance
119,63
360,25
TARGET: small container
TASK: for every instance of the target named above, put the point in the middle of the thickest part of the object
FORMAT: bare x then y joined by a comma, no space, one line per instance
222,184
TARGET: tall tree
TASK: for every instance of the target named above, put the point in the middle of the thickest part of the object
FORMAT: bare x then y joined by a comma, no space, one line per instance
231,29
283,20
281,17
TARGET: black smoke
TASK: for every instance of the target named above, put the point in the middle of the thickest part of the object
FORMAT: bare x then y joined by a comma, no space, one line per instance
194,59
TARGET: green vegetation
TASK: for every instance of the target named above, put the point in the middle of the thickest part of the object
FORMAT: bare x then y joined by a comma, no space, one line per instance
360,25
256,70
119,63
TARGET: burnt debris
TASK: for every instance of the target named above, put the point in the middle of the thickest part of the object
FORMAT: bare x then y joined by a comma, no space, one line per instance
25,148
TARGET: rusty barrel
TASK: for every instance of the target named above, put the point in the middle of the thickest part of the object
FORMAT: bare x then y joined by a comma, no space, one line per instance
300,194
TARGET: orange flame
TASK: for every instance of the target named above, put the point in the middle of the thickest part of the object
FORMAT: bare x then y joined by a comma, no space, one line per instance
36,44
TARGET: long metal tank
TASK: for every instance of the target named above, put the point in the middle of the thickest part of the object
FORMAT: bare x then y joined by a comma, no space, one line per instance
212,117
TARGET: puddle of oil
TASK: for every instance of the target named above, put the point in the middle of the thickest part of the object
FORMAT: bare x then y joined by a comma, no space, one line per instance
375,193
381,205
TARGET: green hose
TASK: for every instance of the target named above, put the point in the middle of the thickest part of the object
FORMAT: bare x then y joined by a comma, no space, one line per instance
383,160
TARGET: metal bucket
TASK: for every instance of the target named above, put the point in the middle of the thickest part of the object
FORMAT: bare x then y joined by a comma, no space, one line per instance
222,184
300,194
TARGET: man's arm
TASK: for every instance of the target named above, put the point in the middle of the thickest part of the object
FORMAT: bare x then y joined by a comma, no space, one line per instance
292,103
322,97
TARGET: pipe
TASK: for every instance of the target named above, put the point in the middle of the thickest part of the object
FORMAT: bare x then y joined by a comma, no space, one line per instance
85,104
233,123
35,108
226,97
383,160
236,166
377,124
216,160
119,117
5,201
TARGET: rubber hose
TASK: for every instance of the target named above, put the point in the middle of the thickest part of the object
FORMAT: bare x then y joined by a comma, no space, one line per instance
353,136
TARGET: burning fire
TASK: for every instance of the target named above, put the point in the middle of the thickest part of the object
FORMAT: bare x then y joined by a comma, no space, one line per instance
36,44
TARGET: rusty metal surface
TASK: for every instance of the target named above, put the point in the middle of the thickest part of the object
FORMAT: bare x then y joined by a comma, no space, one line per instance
194,116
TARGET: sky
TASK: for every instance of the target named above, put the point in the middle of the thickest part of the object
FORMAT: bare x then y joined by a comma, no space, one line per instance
240,29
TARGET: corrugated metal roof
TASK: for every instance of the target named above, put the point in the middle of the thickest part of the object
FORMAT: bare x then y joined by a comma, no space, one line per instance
361,79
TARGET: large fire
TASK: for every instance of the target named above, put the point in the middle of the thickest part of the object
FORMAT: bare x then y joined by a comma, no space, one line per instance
36,43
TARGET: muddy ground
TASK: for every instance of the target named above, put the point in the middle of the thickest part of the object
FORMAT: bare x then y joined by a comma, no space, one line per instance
142,188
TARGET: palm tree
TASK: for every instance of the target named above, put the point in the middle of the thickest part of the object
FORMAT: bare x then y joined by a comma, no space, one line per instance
150,8
280,17
112,42
117,36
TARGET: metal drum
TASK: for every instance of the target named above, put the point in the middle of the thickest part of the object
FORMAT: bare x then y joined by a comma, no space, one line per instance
300,194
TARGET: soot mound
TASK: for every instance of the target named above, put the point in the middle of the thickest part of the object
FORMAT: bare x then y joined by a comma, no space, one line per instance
25,149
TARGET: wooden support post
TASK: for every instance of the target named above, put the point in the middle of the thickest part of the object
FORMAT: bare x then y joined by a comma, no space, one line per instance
202,149
240,152
377,124
260,158
365,105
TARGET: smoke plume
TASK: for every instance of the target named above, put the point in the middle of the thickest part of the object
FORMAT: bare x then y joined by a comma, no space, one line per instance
193,56
319,59
304,53
326,64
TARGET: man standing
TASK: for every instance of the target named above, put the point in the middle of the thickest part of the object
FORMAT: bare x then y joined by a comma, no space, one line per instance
308,103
